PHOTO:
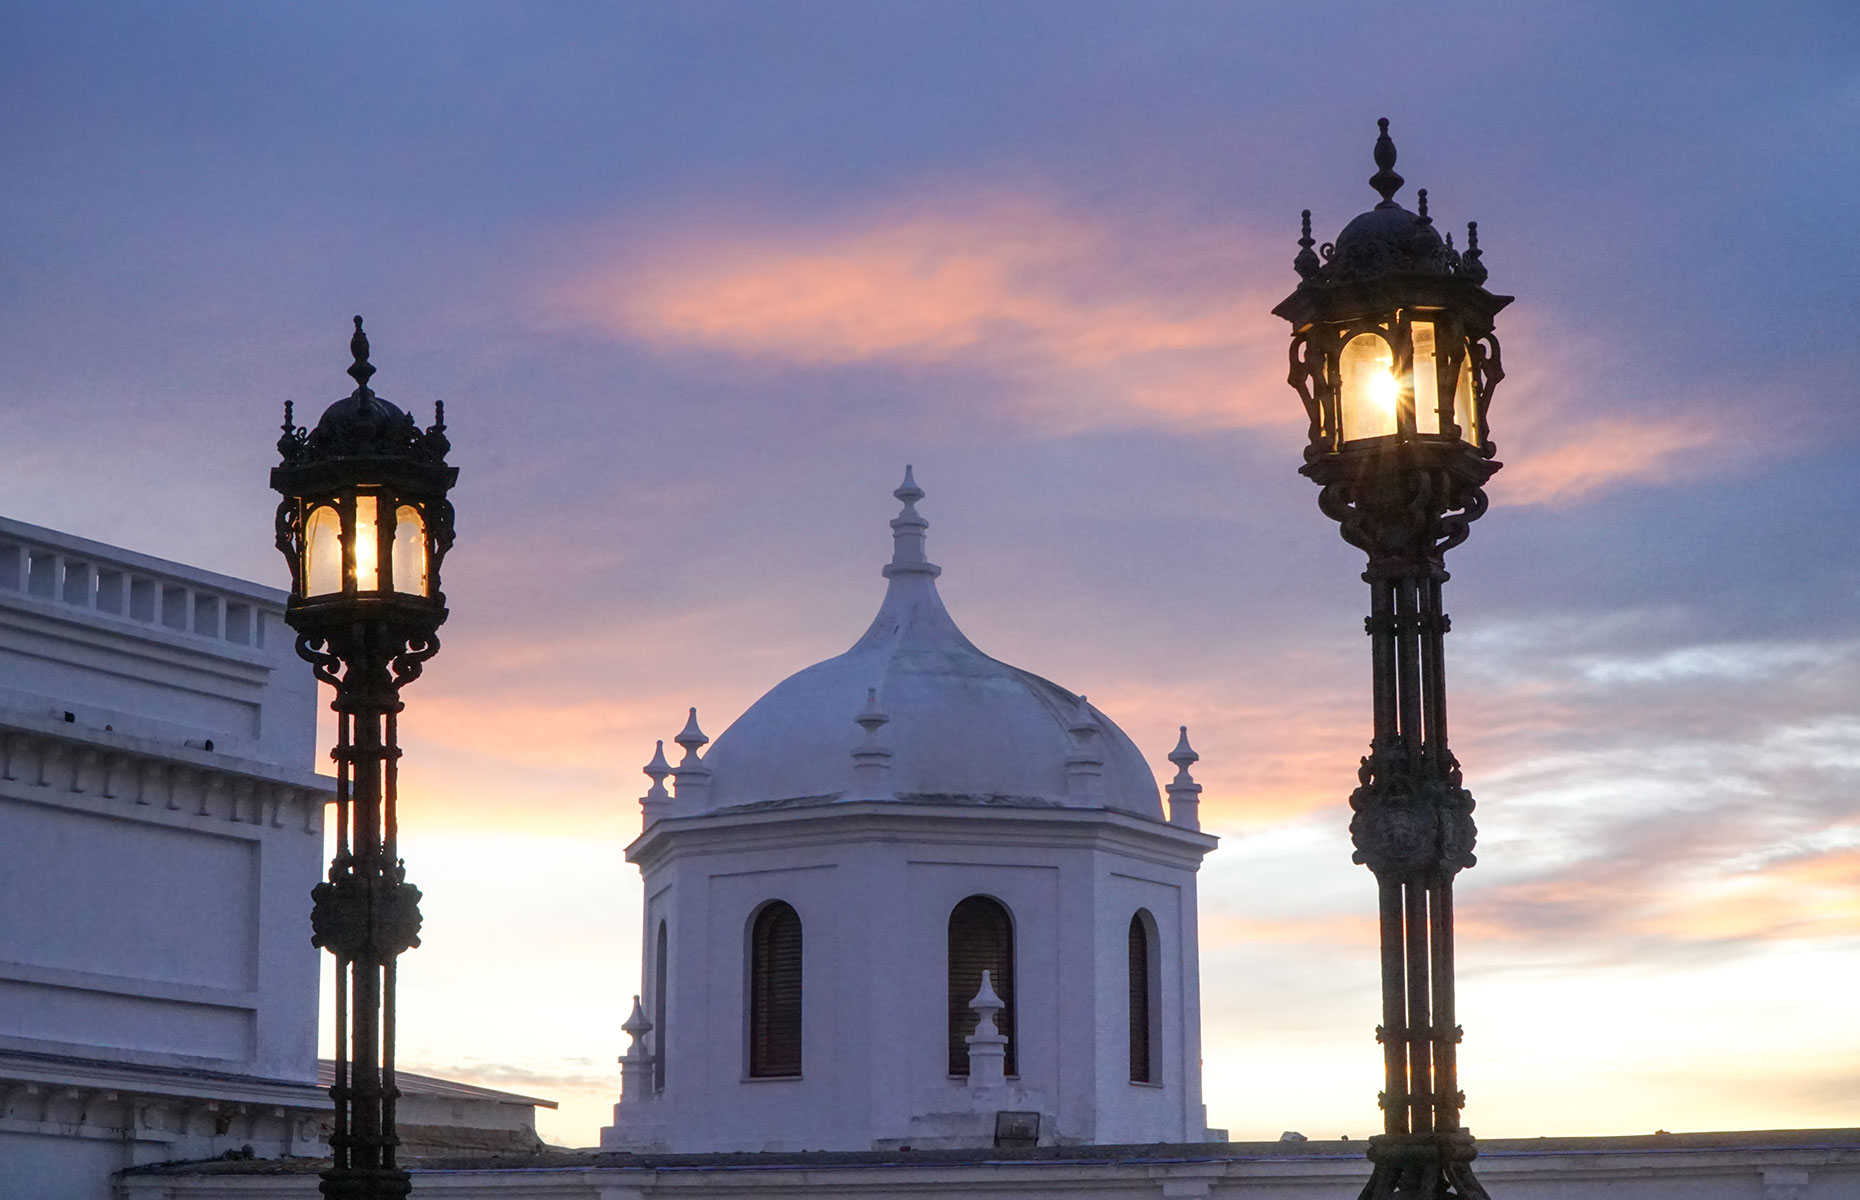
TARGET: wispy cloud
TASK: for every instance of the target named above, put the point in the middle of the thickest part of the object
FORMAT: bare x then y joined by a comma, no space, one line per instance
1589,458
1097,319
1575,418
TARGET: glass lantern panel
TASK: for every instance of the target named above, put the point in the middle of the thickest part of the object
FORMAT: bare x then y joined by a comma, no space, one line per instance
1369,393
409,551
322,552
367,545
1463,414
1426,379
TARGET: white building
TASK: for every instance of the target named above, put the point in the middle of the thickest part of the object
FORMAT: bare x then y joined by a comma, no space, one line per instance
160,828
826,887
811,891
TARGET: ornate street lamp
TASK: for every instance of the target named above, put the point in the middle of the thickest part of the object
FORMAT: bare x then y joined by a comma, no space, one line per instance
1393,354
365,525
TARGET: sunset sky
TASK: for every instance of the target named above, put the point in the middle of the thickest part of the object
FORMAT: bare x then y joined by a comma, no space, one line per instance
695,282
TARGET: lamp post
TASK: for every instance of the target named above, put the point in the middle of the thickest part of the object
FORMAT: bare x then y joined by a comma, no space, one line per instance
364,525
1393,355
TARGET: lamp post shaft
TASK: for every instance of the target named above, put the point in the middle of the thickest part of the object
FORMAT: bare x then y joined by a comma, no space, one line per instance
1405,505
365,1139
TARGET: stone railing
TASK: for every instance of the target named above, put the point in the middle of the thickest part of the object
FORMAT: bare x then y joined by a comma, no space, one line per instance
68,571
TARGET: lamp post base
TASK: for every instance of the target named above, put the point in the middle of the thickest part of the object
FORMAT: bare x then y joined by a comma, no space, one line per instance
1423,1166
366,1183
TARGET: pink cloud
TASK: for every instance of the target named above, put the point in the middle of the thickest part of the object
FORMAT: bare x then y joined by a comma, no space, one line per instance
1600,453
1095,319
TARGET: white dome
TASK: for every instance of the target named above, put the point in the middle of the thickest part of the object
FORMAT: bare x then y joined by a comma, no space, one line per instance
960,727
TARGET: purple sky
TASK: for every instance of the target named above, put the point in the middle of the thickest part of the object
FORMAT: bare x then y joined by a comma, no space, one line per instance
696,281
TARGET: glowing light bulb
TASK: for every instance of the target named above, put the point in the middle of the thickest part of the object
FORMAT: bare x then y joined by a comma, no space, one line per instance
367,546
1382,388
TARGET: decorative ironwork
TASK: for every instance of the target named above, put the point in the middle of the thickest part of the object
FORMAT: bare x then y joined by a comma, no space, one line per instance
377,484
1405,493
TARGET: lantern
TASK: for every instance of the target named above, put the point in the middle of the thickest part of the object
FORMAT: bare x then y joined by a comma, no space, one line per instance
1392,338
365,523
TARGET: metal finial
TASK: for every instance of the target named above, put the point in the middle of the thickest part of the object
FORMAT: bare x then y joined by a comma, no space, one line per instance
439,415
1422,197
1385,180
1472,261
291,442
361,371
1306,262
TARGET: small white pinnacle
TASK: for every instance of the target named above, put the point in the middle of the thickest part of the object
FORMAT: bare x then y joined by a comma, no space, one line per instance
1184,756
986,999
658,768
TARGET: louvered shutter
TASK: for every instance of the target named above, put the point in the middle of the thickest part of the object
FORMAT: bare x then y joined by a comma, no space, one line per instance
775,992
981,938
1139,1001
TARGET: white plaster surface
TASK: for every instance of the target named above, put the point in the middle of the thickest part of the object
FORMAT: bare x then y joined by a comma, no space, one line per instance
161,822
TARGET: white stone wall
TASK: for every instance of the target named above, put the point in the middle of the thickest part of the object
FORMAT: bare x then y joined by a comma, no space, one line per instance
874,884
161,819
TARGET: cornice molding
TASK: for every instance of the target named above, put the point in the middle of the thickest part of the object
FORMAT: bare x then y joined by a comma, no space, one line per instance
841,823
47,761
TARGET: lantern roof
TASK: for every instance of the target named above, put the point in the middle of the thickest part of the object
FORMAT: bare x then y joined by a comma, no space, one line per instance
362,425
1388,239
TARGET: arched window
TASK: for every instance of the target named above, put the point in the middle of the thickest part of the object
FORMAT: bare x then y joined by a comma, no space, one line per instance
1145,1011
775,992
322,552
981,938
658,1012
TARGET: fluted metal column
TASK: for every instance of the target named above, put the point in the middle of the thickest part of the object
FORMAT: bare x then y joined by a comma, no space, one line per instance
1405,505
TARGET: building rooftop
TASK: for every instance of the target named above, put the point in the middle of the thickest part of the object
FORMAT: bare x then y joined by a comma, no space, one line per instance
1845,1142
413,1084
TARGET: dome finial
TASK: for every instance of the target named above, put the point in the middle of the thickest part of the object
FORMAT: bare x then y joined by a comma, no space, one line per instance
691,778
1183,756
658,769
1184,792
907,533
657,802
361,370
691,738
1385,180
908,491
